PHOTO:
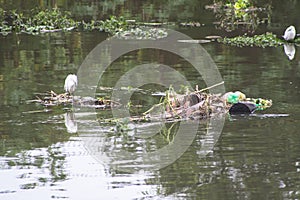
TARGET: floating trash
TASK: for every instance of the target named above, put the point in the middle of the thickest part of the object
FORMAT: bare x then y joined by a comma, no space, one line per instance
196,104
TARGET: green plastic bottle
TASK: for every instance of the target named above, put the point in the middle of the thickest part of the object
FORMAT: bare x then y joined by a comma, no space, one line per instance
233,98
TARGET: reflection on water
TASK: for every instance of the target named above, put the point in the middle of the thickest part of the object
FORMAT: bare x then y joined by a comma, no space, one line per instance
289,50
70,122
133,9
66,170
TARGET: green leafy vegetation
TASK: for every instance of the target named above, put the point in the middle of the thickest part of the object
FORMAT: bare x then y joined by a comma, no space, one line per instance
263,40
240,7
142,34
114,25
52,19
55,20
40,21
240,13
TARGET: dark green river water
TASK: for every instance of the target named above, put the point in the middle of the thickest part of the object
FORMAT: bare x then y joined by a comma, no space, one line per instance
253,157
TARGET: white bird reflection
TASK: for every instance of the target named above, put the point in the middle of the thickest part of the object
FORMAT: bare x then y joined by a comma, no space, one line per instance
70,122
289,50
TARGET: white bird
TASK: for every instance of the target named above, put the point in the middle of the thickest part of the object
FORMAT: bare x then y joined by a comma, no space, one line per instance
71,83
290,33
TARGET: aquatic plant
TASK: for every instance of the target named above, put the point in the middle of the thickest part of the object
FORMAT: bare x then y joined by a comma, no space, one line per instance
40,21
240,7
51,20
142,34
114,24
233,14
10,21
263,40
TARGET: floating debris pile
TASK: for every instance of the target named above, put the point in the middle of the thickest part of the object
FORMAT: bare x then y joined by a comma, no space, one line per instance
196,104
53,99
201,105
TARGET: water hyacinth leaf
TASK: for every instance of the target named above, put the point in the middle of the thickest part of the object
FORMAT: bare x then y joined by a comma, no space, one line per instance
263,40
